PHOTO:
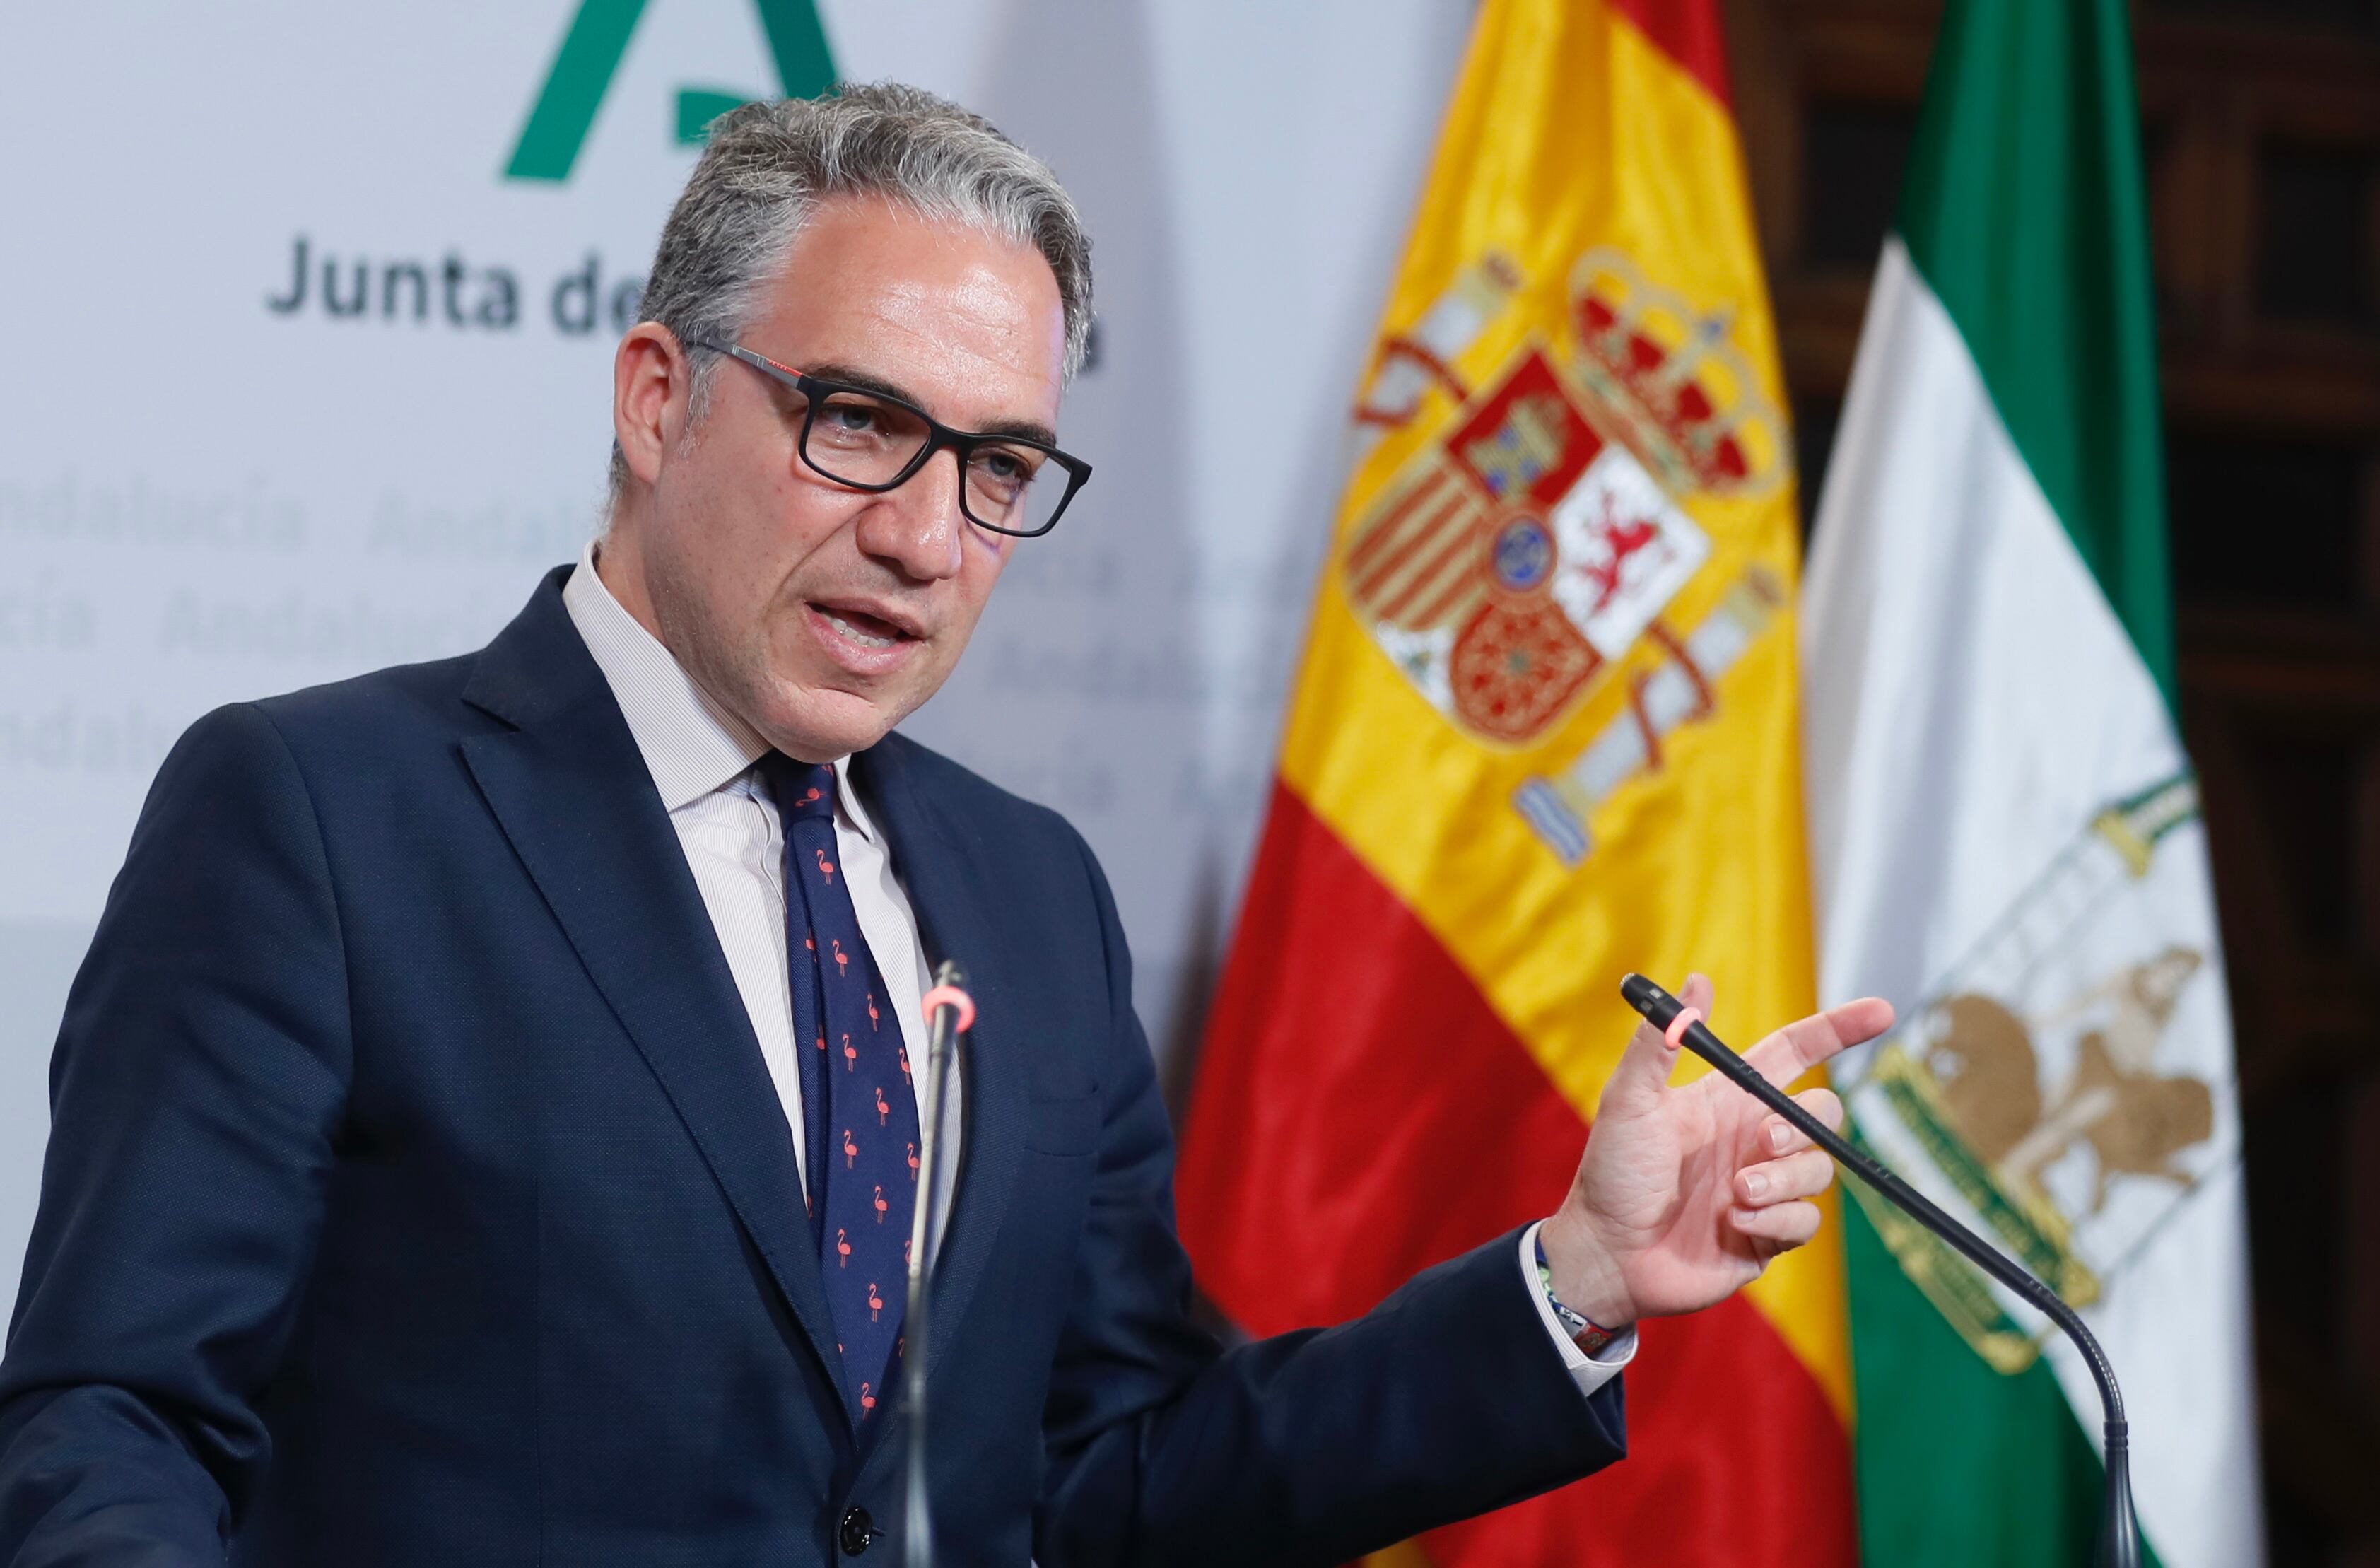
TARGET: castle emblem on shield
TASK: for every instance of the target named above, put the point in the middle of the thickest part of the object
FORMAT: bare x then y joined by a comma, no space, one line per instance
1536,539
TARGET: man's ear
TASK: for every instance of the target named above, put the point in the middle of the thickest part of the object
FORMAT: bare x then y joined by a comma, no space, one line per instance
650,381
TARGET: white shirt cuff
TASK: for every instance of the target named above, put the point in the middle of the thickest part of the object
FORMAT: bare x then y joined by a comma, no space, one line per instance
1589,1372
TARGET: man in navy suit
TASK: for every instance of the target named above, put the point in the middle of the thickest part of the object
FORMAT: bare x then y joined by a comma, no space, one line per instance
484,1122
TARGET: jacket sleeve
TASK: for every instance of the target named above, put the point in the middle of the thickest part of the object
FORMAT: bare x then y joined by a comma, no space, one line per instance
1447,1400
198,1082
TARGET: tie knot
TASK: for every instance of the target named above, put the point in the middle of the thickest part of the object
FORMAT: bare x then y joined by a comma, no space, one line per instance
800,789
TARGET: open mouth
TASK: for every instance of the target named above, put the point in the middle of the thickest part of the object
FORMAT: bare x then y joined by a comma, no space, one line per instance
860,628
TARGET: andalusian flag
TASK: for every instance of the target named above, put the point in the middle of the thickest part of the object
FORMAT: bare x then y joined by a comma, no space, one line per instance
1545,733
2007,845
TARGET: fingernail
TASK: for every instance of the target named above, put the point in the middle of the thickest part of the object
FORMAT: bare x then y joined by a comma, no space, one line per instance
1778,1133
1755,1183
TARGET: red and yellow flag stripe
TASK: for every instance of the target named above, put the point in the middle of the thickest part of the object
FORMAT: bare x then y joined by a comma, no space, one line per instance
1545,731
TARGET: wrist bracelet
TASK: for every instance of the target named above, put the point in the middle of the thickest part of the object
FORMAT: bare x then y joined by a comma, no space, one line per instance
1590,1338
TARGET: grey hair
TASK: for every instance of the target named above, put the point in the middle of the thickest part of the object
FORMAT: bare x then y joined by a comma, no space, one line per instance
768,165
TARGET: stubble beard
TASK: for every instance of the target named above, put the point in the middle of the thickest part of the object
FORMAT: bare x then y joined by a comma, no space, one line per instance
732,671
731,664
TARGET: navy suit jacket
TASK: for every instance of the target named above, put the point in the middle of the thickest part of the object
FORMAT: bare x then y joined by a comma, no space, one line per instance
415,1194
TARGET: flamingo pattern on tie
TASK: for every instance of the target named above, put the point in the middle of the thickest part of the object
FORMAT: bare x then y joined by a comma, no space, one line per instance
861,1204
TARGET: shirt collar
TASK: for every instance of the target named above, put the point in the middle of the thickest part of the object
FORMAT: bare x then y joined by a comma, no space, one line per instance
691,745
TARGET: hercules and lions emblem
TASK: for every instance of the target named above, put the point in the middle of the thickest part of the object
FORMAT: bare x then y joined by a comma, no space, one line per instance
2134,1120
2045,1090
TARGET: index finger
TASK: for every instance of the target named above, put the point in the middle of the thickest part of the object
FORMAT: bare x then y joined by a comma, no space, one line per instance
1803,1044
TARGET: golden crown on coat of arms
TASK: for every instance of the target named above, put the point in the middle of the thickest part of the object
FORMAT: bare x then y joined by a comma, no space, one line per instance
1674,378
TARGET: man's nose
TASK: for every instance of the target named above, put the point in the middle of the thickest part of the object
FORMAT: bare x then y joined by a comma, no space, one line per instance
918,526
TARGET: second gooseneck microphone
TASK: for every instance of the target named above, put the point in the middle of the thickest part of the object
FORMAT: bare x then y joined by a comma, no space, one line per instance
2119,1531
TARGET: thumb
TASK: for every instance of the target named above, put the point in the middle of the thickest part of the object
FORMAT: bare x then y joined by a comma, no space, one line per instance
1643,1071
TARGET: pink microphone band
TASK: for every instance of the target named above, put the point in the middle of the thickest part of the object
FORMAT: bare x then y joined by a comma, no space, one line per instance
951,996
1676,1033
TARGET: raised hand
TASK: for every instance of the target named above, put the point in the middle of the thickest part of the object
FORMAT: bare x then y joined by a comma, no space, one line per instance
1685,1193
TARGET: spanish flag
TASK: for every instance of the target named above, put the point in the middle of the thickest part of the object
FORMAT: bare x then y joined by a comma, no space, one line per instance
1545,731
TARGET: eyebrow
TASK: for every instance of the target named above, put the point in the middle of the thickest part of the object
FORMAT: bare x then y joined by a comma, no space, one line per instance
852,375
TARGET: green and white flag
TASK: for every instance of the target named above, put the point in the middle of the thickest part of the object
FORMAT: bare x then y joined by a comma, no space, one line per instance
2006,841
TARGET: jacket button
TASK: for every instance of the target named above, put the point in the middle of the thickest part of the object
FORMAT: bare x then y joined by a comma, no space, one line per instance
859,1529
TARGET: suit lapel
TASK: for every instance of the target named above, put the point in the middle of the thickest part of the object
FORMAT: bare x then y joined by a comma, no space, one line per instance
956,908
572,793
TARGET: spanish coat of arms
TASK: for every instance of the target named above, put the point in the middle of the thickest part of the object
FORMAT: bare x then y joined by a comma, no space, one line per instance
1536,539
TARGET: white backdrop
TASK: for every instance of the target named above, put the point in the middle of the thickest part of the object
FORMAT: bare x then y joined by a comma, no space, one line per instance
207,496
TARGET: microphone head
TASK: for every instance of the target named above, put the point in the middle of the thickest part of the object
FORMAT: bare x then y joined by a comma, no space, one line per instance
948,973
1657,1006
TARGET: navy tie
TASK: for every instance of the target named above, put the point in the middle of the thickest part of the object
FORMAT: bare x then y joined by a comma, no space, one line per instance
862,1132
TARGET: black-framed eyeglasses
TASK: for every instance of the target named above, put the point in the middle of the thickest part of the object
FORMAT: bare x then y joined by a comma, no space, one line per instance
869,439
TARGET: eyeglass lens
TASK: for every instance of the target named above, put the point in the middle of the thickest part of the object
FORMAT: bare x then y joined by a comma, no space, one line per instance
861,440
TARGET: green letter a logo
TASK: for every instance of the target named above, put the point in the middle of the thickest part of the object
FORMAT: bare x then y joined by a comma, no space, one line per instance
590,51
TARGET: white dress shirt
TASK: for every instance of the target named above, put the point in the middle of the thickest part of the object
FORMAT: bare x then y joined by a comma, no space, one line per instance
702,758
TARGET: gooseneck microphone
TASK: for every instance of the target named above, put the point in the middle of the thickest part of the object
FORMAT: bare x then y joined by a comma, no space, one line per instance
950,1013
2119,1532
